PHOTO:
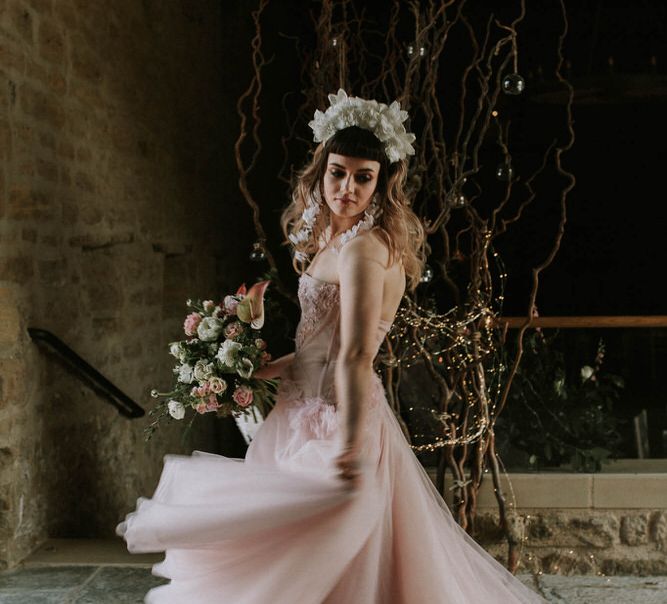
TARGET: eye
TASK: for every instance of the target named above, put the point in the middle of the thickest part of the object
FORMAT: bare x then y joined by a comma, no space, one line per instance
337,173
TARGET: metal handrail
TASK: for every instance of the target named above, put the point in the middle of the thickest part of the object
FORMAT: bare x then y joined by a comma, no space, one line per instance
87,373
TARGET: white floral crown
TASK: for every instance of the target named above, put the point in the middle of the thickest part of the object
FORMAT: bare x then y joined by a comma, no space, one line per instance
385,122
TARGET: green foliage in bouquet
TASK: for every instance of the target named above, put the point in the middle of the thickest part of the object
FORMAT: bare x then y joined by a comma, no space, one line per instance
556,417
216,362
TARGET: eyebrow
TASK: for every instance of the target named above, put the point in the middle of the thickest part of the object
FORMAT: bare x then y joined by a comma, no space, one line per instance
359,170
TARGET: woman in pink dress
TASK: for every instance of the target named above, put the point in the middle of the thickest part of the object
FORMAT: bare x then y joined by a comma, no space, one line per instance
330,504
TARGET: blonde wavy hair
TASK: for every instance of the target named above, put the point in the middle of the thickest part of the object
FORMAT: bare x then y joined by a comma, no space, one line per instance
397,224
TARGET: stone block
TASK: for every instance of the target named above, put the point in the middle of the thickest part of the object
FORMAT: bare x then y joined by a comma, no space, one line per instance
628,491
86,65
634,529
29,235
11,324
51,41
12,392
53,272
542,491
47,170
84,181
41,106
566,530
5,135
18,269
49,77
658,530
22,20
65,149
24,202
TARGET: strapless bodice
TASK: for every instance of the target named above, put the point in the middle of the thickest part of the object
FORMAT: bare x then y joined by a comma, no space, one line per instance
320,300
317,339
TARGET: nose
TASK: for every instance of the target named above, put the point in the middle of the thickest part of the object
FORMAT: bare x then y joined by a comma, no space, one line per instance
346,184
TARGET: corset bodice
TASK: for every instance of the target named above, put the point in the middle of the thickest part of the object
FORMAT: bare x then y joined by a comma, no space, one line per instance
317,338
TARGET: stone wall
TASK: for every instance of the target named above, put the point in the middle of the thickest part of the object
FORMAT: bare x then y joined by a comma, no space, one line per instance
116,137
584,542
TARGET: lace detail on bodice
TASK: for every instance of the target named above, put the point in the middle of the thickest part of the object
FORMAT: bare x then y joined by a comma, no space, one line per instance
317,298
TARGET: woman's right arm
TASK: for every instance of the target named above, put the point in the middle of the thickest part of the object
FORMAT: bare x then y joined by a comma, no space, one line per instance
274,369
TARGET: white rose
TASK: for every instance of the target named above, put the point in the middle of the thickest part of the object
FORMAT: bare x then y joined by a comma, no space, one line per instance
228,352
586,372
203,370
209,329
184,373
217,385
245,368
208,305
176,350
176,409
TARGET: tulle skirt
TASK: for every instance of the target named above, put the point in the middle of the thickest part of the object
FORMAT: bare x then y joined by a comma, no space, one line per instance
280,527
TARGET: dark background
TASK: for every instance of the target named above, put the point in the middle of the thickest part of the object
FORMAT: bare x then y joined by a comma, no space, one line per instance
611,258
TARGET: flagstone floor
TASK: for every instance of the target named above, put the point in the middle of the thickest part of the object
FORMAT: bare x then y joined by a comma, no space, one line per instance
102,572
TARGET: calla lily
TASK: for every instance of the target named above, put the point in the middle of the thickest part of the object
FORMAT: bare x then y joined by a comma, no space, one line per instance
251,308
241,290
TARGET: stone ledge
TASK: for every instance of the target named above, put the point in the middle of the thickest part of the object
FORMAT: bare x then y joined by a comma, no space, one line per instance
572,491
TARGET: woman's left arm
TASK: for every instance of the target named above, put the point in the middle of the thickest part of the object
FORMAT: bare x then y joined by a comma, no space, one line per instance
361,269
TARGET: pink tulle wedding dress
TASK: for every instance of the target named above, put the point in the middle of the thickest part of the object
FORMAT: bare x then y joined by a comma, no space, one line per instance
280,527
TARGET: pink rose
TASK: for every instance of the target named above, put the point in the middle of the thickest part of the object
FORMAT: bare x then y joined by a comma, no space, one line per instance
201,408
192,321
243,396
265,357
233,329
260,344
200,391
230,303
212,403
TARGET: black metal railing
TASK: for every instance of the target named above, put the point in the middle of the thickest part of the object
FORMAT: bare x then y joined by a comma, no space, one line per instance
88,374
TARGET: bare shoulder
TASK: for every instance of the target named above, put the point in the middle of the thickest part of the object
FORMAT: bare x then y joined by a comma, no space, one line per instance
368,245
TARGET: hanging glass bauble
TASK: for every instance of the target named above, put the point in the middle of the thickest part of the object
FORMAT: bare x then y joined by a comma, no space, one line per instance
504,171
427,275
513,84
459,200
257,254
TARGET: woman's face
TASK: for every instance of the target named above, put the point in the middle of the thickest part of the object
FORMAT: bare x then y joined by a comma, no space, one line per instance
349,184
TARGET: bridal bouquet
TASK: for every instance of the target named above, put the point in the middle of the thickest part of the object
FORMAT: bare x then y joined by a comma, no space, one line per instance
216,361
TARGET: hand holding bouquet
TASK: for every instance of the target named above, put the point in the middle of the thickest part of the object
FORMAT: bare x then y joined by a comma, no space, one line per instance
217,360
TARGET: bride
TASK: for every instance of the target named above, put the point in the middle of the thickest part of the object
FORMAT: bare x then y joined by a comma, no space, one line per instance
330,505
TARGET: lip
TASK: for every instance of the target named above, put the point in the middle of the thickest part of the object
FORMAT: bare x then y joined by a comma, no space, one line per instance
345,199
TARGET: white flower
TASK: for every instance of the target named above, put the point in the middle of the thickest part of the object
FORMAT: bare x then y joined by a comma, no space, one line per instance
245,368
587,372
228,352
185,375
176,350
176,409
310,213
208,305
203,370
385,122
217,385
209,329
212,348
